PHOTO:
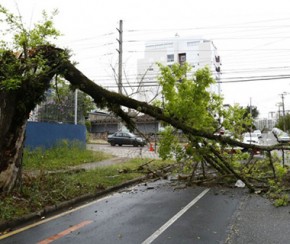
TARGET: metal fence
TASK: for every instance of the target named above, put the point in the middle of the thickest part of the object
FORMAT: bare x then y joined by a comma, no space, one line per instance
46,135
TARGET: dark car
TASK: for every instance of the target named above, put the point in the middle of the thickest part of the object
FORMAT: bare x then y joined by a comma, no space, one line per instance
126,138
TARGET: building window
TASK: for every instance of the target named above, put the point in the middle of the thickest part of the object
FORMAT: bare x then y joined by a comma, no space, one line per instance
217,59
182,58
170,58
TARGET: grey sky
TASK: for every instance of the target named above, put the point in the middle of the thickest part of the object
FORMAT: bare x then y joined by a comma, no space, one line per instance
252,38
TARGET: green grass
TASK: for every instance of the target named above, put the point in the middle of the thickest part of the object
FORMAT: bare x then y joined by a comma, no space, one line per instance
46,189
60,156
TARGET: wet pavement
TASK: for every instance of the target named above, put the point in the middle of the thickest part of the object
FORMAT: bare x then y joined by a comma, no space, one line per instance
159,212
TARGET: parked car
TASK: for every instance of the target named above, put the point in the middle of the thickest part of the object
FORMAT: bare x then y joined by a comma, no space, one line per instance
126,138
280,135
251,138
276,131
259,133
283,137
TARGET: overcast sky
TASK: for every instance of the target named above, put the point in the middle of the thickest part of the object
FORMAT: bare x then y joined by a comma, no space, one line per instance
252,38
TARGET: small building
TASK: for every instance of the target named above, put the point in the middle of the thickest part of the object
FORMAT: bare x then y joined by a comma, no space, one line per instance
103,124
196,51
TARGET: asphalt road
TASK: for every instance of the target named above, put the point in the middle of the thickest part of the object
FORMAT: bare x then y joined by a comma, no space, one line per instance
163,212
147,213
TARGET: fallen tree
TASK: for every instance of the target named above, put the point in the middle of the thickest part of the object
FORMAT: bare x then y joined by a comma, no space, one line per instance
114,101
31,91
26,75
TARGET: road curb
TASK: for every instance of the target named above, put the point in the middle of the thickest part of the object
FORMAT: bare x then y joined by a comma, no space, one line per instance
36,216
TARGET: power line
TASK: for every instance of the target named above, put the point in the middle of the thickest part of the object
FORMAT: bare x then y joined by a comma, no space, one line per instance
153,83
258,79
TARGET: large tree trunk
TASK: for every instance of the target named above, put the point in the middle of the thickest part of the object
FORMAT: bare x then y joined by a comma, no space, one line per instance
12,130
13,119
15,107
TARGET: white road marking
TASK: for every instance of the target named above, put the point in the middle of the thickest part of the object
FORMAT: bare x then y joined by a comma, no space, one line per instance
158,232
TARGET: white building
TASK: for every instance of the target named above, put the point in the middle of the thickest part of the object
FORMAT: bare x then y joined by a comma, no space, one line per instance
195,51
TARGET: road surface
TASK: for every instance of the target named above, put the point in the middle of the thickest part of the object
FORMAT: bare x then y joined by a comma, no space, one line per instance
163,212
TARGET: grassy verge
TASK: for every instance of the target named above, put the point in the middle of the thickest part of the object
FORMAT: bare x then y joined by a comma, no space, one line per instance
37,192
60,156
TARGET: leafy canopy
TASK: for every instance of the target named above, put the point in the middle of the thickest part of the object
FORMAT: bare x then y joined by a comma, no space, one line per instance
18,59
42,34
187,97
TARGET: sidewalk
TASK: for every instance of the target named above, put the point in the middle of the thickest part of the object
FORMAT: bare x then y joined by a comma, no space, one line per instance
258,221
93,165
125,151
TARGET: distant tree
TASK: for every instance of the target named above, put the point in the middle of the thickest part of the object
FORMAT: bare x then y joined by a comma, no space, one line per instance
59,104
253,111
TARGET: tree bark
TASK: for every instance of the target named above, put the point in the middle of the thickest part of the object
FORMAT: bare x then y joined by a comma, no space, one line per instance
12,130
15,107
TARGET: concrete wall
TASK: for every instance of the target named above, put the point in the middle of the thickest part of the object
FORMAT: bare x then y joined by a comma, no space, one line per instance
41,134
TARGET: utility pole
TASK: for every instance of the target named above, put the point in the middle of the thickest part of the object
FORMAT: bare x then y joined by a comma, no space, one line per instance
251,112
76,106
283,110
120,51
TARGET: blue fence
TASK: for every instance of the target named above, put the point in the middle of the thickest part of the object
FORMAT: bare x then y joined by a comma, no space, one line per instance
46,135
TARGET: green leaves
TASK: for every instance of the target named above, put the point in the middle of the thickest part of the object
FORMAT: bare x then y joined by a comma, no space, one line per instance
186,96
19,60
188,99
24,37
10,84
235,121
168,143
43,31
9,71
